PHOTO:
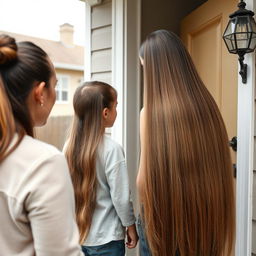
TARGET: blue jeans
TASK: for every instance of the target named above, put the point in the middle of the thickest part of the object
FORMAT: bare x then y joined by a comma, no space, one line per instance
144,248
113,248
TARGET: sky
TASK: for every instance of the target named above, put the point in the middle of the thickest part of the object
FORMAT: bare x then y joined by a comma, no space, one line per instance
42,18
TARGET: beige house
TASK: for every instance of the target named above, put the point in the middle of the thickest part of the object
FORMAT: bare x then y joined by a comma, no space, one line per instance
115,30
68,60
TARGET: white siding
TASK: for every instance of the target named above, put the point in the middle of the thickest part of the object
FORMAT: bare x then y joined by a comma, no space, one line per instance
101,43
101,61
101,38
102,76
101,15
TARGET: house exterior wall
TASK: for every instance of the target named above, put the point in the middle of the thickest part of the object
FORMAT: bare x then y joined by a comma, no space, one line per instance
75,78
101,45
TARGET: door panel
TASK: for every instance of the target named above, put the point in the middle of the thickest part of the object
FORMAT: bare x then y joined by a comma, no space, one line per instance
201,31
208,62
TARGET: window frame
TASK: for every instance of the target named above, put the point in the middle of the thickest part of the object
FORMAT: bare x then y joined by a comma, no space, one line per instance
61,89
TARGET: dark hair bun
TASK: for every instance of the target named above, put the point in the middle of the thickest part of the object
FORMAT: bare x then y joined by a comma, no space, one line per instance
8,49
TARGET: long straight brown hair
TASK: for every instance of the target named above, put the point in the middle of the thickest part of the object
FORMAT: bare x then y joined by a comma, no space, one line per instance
188,192
86,134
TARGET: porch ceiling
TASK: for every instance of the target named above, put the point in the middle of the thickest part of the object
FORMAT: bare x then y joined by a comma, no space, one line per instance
165,14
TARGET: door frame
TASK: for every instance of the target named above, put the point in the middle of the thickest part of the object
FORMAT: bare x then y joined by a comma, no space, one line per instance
126,72
245,154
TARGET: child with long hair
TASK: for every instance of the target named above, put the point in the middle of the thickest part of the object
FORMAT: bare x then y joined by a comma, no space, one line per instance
99,174
185,179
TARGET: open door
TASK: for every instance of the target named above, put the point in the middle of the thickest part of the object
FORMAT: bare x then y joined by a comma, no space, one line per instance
202,31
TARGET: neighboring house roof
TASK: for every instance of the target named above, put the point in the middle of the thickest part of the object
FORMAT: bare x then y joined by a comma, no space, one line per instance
61,55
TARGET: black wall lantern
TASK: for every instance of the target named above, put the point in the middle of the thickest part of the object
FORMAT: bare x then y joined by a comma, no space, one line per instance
240,35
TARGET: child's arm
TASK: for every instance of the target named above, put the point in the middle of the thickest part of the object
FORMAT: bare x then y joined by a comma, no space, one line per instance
118,181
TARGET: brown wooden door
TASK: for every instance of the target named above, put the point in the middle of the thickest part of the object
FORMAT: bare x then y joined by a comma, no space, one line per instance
202,31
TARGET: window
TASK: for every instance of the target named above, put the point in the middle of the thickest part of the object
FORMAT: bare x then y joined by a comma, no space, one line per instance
62,89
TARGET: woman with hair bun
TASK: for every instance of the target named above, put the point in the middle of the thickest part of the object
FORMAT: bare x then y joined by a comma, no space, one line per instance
36,194
185,179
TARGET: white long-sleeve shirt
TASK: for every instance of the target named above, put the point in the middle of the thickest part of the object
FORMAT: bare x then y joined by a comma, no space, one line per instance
114,209
37,203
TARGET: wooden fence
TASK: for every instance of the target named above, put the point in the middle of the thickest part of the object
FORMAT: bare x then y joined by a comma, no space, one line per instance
55,131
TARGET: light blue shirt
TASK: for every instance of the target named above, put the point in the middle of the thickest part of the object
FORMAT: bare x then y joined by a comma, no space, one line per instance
114,209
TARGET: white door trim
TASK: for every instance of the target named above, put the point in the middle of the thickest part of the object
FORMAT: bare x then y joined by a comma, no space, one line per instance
126,74
126,78
132,77
245,152
118,67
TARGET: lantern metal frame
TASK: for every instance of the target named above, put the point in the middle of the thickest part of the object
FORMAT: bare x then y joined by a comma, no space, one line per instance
231,38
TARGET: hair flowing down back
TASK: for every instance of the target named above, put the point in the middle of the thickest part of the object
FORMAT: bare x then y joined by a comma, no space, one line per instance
7,124
188,196
21,65
86,134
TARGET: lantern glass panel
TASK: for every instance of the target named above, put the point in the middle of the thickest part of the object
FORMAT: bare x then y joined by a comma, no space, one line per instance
230,27
253,42
242,25
230,43
242,40
242,34
253,24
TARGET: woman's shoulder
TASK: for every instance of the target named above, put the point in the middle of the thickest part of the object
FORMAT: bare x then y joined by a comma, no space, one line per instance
38,146
32,151
35,157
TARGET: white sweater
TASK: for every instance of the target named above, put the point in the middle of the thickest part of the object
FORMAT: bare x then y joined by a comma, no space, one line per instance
37,203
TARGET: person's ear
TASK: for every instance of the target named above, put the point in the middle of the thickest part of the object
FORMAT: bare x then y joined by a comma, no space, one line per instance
38,93
105,113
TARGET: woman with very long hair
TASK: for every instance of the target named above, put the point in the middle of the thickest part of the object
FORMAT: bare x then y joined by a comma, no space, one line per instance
185,178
